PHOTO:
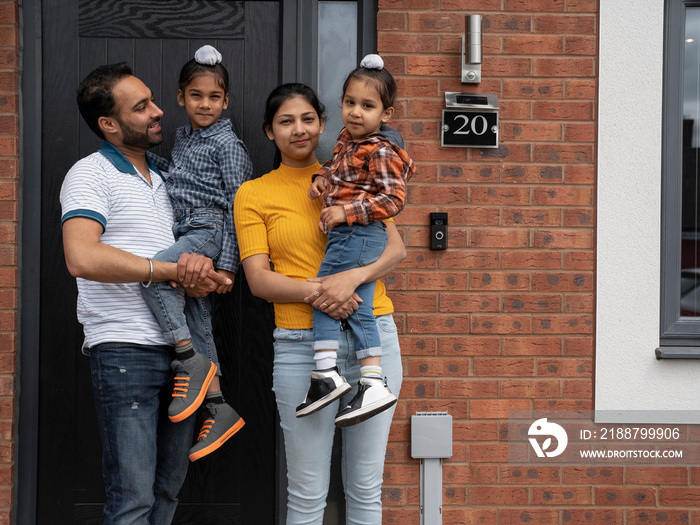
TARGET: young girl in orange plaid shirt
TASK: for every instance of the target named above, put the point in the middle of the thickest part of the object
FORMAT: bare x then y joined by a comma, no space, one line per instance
362,185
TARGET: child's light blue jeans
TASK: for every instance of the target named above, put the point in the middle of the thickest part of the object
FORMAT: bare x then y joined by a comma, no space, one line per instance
349,247
197,230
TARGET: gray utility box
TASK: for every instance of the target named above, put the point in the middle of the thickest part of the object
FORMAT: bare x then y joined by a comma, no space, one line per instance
431,440
431,435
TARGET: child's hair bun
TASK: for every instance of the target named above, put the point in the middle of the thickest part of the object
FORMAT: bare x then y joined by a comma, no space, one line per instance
372,62
207,55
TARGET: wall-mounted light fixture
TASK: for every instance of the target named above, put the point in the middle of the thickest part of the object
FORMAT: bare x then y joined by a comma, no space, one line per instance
471,50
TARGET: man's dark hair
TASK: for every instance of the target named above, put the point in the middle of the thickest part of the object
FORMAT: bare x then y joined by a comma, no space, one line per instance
95,98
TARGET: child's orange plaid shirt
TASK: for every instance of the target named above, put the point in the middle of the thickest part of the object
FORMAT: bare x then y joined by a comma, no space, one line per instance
367,177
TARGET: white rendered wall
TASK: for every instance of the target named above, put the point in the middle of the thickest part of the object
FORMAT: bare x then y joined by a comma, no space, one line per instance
628,377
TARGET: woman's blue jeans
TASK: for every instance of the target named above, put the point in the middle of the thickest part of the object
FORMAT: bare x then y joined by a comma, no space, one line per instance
144,454
309,440
197,230
350,247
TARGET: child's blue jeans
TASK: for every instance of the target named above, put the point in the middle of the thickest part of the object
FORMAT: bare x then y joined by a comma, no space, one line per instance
349,247
197,230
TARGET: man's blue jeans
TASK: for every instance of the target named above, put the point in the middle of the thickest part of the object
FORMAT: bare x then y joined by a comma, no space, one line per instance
349,247
144,454
197,230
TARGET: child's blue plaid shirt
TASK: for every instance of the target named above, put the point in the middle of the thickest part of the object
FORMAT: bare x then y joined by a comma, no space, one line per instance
208,166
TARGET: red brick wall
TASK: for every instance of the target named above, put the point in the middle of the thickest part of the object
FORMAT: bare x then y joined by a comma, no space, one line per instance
503,320
9,215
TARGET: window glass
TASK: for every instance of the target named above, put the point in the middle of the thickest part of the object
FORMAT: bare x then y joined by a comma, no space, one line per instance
337,56
690,188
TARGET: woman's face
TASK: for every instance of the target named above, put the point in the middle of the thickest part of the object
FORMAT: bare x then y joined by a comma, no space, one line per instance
296,129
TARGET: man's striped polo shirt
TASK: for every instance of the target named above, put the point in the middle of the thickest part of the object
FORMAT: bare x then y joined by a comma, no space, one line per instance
136,217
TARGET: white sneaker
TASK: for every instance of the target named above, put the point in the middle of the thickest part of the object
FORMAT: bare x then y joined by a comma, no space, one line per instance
326,386
373,396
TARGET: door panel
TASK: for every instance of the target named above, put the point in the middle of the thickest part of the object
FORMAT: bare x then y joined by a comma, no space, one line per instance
236,484
183,19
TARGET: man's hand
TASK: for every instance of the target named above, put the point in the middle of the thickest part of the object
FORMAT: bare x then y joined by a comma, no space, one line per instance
226,288
331,217
197,276
318,186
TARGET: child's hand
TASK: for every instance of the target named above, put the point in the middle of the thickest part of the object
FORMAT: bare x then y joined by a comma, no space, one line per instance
318,186
331,217
225,287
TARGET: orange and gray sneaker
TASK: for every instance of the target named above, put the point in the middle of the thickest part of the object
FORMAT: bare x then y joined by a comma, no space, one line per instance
192,378
221,423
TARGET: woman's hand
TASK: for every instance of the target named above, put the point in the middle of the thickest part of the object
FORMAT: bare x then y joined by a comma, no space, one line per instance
336,295
345,310
335,309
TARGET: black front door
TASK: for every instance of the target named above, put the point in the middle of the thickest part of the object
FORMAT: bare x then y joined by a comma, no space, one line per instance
238,483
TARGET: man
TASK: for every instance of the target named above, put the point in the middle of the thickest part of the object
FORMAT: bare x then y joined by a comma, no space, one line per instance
116,215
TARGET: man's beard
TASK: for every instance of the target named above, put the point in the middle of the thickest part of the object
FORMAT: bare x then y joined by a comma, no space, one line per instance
137,139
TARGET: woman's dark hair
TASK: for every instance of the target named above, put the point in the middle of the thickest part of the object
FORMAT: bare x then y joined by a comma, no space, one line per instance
95,97
193,69
282,93
279,96
380,79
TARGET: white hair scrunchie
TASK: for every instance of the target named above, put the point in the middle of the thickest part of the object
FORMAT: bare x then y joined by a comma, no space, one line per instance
207,55
372,62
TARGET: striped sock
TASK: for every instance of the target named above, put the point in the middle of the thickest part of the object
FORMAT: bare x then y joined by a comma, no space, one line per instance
371,371
184,352
214,397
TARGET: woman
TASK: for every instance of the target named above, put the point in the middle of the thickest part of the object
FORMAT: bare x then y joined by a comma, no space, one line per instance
281,249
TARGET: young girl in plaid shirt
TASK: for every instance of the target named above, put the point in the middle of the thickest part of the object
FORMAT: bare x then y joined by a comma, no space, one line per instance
362,185
209,164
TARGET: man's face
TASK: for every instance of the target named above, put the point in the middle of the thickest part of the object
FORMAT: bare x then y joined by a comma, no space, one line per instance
137,115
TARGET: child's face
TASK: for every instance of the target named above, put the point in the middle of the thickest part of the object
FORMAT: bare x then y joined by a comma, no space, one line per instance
296,129
363,112
204,100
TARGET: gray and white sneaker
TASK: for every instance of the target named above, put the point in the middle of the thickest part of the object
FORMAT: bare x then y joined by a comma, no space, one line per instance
373,396
326,386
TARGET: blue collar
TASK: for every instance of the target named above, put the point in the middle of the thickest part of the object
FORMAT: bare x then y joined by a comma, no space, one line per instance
123,164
